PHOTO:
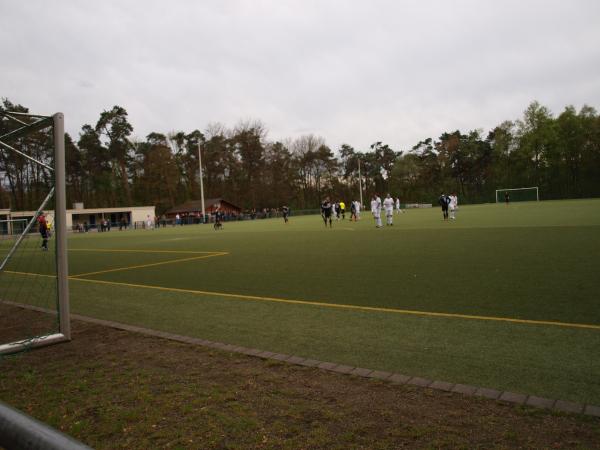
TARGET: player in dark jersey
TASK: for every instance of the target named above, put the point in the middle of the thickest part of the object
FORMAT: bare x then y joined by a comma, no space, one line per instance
43,226
218,220
286,212
444,201
326,209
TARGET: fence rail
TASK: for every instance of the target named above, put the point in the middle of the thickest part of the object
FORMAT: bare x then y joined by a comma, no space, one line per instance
190,220
23,432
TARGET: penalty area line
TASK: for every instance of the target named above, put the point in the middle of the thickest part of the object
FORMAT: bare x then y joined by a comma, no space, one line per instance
117,250
141,266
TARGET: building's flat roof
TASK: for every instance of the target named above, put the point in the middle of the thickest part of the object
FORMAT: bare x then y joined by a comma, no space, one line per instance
108,210
196,205
85,210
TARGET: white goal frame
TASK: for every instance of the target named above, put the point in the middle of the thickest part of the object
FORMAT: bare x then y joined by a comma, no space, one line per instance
31,123
537,192
10,227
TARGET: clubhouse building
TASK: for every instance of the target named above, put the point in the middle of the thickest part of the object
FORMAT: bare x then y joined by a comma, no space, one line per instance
79,217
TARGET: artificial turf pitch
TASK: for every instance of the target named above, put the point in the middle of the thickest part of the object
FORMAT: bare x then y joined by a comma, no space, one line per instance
504,297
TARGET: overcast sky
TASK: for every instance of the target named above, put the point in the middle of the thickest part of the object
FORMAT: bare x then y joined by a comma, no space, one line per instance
350,71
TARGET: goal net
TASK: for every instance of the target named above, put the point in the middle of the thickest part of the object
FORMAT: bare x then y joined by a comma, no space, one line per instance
528,194
34,308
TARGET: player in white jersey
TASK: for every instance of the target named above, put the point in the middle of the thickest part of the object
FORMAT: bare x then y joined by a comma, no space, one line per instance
357,210
398,210
388,206
453,206
376,210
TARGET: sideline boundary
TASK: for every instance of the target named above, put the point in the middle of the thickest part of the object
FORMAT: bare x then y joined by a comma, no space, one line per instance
329,305
350,307
507,397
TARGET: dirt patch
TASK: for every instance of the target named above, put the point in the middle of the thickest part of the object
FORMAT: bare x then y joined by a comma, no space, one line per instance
117,389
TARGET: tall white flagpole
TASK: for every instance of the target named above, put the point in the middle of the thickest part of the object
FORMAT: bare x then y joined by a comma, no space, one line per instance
201,184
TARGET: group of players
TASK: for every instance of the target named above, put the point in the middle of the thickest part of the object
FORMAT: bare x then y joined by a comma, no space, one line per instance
448,203
330,210
388,207
338,210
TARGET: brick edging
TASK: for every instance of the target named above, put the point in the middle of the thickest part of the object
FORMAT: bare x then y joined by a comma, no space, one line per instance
394,378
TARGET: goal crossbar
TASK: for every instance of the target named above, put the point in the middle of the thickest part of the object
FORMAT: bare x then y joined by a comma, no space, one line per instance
537,192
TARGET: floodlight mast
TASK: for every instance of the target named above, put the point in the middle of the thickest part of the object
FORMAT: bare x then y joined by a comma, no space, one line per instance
201,184
360,184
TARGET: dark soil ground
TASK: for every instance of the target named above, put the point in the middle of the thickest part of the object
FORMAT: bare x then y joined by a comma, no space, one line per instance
116,389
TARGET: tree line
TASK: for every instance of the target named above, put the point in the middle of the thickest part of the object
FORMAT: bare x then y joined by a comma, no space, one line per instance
106,167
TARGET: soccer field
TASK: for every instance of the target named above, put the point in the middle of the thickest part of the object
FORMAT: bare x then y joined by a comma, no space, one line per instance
505,297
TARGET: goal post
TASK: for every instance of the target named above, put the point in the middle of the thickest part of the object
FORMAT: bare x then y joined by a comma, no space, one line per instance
60,220
34,276
527,194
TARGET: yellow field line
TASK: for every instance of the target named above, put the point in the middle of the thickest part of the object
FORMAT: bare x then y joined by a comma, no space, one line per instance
29,274
108,250
140,266
350,307
334,305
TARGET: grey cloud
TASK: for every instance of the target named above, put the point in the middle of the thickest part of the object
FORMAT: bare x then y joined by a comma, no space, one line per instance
351,71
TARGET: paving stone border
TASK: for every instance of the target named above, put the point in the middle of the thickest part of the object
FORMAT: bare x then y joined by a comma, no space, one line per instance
395,378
